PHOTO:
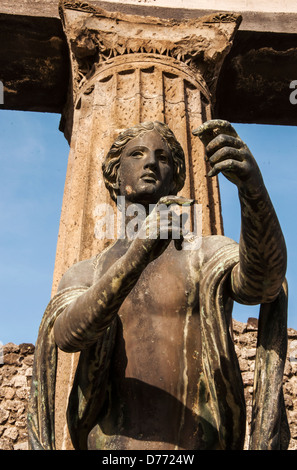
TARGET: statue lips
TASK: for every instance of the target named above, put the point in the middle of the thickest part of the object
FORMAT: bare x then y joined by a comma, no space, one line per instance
149,177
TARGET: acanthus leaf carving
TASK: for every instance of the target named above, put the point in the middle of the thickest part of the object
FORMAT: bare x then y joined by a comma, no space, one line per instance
96,36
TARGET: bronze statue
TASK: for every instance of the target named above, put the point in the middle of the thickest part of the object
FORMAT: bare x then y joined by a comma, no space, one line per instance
157,368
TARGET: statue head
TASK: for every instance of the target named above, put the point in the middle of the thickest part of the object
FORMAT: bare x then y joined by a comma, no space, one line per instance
112,161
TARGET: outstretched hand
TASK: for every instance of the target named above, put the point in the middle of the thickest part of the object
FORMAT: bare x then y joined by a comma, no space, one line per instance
228,154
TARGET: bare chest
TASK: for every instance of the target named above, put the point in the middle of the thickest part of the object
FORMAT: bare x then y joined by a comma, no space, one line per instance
160,326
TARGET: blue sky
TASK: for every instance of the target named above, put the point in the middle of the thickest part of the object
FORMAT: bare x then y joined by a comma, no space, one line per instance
33,161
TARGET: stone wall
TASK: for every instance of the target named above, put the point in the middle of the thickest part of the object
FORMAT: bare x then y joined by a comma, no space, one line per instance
16,373
15,380
245,339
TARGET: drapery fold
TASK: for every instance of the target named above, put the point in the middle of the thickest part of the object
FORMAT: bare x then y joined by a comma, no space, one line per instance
41,406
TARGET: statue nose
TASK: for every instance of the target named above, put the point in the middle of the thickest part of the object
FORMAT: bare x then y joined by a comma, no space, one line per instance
151,160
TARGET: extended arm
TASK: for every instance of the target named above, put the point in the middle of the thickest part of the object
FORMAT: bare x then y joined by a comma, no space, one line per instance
262,252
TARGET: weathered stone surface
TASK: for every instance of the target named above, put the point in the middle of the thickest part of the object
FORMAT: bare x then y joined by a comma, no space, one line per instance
252,324
35,69
33,63
11,434
10,348
14,393
257,74
4,414
26,348
245,341
260,15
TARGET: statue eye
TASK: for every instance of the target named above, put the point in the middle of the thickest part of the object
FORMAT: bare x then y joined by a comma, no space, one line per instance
136,153
163,157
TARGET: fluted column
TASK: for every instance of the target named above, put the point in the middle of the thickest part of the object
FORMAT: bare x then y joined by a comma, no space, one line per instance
125,70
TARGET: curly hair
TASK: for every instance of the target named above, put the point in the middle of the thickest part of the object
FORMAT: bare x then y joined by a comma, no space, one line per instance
112,161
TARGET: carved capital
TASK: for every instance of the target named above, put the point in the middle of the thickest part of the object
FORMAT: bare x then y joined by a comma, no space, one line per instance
96,36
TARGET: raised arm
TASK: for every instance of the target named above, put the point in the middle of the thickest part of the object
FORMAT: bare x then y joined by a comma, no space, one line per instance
262,252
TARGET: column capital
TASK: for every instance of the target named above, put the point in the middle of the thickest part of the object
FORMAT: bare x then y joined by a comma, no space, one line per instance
96,36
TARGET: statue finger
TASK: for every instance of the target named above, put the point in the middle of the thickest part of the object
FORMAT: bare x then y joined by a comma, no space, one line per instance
221,141
211,129
225,153
226,166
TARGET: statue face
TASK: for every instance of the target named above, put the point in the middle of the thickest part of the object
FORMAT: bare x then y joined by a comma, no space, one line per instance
146,169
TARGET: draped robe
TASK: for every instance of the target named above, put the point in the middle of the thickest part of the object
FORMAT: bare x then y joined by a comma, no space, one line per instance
222,376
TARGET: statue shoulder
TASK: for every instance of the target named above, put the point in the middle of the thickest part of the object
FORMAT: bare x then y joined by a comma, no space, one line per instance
212,243
80,274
